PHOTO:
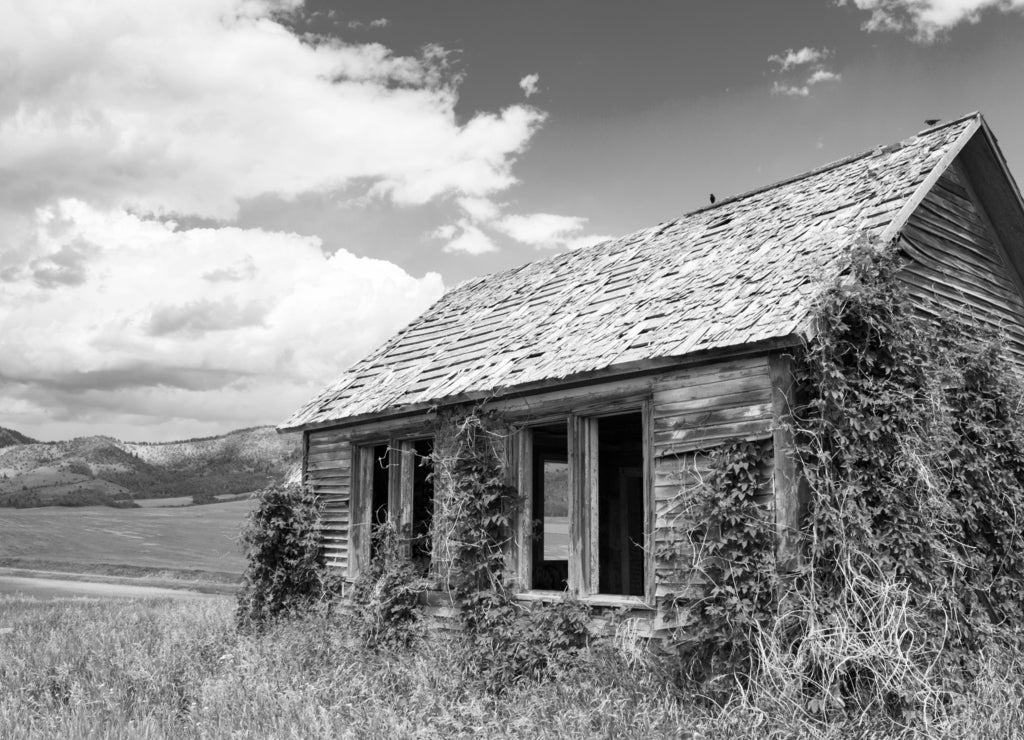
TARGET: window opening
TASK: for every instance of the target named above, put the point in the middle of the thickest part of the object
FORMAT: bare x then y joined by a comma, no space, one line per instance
551,507
620,504
422,500
379,488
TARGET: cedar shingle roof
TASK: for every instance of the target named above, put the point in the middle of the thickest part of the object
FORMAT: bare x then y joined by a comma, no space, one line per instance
739,272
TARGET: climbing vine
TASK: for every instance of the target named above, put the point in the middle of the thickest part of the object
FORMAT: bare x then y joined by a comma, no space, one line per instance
475,505
910,436
724,541
912,442
471,531
506,641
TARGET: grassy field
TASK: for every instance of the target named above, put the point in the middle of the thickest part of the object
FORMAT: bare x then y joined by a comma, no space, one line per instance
159,670
151,670
196,538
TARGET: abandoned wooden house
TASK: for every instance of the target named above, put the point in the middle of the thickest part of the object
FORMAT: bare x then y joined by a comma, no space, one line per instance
619,366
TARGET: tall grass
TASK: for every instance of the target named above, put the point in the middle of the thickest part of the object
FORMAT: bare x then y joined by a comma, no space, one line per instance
179,670
81,669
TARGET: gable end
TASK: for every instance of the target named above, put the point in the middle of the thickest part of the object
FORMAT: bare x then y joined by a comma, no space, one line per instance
958,263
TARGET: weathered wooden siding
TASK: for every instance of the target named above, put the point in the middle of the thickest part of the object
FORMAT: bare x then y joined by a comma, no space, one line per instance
693,413
690,411
329,474
958,263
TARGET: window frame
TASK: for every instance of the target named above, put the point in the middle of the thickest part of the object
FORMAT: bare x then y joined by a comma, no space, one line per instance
401,474
583,476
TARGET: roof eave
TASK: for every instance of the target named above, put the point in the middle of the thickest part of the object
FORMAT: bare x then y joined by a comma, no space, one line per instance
621,371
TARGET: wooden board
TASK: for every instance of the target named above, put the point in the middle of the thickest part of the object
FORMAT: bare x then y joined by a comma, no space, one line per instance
329,473
958,263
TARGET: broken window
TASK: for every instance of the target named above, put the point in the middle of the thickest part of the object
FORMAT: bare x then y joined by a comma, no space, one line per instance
396,487
587,526
422,500
550,507
380,474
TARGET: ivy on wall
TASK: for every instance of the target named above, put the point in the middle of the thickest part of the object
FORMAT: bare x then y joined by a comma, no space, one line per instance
909,429
912,440
506,641
724,540
474,505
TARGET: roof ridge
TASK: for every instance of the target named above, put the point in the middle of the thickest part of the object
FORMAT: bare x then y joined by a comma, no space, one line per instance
662,225
827,167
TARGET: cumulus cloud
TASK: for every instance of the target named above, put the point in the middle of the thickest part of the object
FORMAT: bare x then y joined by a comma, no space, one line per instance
466,238
480,209
547,230
800,70
927,20
482,218
118,118
65,266
529,84
376,23
790,58
147,333
194,105
823,75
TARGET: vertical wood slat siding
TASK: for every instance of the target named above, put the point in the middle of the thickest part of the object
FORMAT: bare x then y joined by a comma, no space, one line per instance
329,474
691,414
958,264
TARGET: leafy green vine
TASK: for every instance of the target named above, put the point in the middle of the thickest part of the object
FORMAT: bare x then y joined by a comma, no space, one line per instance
912,442
724,540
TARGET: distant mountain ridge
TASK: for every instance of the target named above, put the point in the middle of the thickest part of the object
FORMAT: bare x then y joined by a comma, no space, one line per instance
104,470
9,437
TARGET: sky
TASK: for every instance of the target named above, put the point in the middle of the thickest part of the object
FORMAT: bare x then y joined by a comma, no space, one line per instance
210,208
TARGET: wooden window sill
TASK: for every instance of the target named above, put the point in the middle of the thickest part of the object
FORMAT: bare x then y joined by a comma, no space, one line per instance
610,600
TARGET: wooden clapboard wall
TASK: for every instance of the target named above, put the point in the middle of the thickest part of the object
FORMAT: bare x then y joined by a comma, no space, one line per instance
691,414
958,263
329,474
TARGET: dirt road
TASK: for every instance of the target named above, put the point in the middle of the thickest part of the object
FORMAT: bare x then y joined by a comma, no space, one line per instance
47,589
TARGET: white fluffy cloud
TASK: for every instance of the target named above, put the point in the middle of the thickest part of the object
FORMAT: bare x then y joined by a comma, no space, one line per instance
469,234
466,238
127,315
928,19
529,84
791,58
548,231
119,116
800,70
193,105
538,230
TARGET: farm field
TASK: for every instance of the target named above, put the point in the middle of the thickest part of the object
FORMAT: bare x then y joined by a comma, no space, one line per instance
194,538
178,669
159,669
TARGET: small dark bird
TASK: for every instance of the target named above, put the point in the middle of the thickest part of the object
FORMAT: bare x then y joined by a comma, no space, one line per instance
931,121
712,199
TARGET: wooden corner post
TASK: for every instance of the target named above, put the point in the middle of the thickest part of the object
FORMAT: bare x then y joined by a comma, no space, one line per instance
788,508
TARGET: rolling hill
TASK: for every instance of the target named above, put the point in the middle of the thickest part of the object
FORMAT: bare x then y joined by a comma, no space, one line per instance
9,437
104,470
